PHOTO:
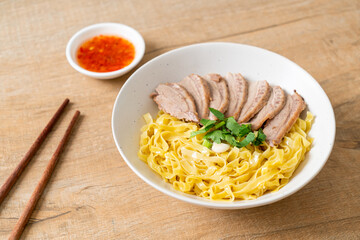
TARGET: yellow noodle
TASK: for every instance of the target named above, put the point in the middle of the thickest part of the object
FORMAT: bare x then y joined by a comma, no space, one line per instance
237,174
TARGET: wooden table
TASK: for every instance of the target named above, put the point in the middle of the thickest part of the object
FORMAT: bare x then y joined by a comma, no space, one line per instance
92,193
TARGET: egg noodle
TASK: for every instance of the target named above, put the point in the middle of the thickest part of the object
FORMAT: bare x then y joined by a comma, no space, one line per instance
236,174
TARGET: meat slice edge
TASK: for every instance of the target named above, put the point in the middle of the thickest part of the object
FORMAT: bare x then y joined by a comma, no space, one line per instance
271,109
219,93
276,128
198,88
258,94
176,101
238,93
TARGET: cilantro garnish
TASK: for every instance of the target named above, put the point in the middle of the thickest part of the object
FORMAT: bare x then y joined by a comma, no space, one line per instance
247,140
207,125
259,138
215,136
228,130
237,129
217,114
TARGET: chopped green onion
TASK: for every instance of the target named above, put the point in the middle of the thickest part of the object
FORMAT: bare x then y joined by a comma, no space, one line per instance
219,125
207,143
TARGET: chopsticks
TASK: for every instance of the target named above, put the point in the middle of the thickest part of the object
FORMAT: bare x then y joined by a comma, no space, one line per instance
5,189
20,225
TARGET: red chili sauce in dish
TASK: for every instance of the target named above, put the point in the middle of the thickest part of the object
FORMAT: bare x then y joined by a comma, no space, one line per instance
105,53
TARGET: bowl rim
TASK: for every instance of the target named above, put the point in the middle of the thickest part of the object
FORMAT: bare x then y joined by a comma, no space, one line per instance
240,204
105,75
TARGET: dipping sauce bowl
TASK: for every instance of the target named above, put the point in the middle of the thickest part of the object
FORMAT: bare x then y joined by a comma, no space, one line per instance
105,29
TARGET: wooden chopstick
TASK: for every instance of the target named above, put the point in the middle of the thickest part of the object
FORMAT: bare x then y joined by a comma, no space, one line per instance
6,187
20,225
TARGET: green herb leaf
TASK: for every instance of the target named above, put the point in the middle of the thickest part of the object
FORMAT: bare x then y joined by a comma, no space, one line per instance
202,130
207,143
215,136
193,134
237,129
207,122
244,129
217,114
231,140
249,138
233,125
260,138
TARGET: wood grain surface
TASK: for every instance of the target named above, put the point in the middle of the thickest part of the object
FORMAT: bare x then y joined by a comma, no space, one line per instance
92,193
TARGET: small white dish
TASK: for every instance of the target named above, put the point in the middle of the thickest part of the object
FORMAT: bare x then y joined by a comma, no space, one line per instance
113,29
255,64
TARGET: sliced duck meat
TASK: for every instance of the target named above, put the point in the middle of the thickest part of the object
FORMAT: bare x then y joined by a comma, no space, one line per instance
176,101
273,106
219,94
198,88
238,92
259,93
276,128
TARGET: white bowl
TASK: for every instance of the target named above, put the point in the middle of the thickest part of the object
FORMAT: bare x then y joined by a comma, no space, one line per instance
255,64
114,29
